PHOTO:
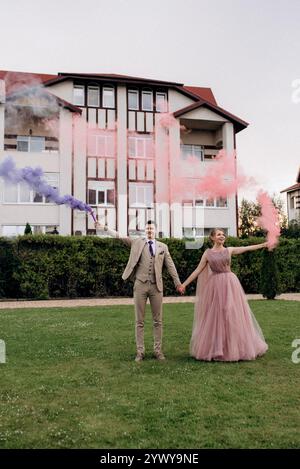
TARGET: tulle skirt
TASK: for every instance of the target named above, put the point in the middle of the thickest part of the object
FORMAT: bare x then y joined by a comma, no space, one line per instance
225,328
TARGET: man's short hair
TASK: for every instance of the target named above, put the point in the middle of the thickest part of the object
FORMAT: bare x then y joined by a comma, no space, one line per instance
151,222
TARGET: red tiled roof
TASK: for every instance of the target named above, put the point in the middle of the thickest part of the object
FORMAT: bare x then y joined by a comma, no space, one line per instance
61,102
106,76
15,80
238,123
203,93
292,188
202,96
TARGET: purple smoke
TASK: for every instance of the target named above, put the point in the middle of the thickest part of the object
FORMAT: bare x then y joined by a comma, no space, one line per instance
34,178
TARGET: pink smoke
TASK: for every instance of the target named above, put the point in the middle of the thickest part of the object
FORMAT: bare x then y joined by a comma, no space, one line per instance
269,219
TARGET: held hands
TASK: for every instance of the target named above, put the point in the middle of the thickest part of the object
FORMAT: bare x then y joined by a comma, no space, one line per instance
181,289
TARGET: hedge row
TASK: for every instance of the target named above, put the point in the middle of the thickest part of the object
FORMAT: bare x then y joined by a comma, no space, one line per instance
44,266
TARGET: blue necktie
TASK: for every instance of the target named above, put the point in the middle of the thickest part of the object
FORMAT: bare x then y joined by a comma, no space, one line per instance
150,248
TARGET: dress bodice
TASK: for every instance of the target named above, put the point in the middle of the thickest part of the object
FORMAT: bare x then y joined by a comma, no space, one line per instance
219,261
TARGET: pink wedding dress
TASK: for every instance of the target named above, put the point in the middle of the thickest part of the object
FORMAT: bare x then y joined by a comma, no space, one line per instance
224,328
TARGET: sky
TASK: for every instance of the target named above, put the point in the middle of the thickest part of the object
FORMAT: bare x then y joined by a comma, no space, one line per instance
247,51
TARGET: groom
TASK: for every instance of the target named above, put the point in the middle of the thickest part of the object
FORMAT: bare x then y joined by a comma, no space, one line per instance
144,268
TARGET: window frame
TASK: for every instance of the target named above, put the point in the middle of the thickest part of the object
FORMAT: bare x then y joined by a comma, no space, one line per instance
93,88
147,92
110,88
136,92
82,87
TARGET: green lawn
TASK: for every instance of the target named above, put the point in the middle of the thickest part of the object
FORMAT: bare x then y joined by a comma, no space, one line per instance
70,381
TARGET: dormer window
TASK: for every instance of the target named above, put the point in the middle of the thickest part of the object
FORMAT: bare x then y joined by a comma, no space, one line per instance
147,100
161,102
108,98
93,96
133,100
78,95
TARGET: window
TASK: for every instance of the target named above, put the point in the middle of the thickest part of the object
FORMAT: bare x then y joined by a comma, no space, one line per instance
188,232
101,193
210,202
292,202
21,193
133,99
10,230
140,147
161,102
93,96
195,151
101,145
140,195
147,101
10,192
199,203
78,95
108,97
221,202
30,144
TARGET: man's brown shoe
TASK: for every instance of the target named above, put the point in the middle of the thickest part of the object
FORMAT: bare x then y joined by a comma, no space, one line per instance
159,356
139,357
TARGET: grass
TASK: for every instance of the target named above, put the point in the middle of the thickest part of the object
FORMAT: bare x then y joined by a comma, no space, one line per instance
70,381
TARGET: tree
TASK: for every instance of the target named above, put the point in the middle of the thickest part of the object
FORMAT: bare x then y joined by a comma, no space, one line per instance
28,229
249,211
269,283
292,230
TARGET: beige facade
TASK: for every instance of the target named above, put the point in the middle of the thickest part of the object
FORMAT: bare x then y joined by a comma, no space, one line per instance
104,144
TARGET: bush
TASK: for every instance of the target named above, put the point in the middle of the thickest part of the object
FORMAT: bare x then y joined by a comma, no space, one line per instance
269,275
46,266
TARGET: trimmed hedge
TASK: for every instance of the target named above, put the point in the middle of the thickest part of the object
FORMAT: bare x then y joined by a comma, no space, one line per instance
47,266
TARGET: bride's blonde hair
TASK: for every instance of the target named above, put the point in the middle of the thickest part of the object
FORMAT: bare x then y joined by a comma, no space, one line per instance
213,232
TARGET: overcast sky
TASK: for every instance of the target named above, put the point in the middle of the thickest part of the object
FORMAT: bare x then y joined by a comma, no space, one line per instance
247,51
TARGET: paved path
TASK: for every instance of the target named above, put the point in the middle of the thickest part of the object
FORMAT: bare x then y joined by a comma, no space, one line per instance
115,301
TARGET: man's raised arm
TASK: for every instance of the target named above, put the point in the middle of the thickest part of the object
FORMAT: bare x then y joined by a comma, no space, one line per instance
110,232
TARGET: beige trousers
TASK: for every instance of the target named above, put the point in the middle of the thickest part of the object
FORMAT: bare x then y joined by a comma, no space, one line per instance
142,291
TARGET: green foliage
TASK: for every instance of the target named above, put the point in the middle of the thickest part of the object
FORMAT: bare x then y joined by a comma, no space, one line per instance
28,229
249,211
46,266
269,275
293,230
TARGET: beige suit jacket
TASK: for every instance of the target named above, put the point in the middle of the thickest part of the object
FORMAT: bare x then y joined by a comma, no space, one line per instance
162,258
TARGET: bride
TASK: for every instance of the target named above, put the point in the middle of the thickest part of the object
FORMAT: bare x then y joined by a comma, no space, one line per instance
224,328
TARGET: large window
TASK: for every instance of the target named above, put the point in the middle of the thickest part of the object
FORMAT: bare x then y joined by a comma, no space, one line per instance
101,145
30,144
196,151
21,193
101,193
78,95
16,230
147,101
140,195
192,232
218,202
108,97
161,102
133,100
93,96
140,147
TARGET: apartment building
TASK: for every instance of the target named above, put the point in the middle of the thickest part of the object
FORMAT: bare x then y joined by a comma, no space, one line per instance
133,148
